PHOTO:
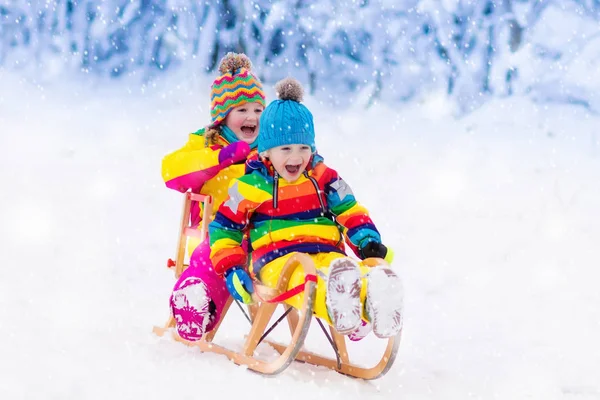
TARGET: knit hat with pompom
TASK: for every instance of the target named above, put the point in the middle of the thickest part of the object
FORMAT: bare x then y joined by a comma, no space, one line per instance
234,87
286,121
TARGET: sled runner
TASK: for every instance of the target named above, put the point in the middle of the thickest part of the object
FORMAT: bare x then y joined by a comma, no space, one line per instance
261,312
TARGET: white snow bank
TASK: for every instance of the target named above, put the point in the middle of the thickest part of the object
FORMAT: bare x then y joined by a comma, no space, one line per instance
493,219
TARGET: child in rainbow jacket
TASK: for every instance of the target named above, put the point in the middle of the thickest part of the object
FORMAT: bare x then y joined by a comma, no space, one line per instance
290,201
210,159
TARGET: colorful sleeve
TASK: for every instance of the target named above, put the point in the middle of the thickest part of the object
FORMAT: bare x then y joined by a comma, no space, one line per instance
226,231
191,166
359,229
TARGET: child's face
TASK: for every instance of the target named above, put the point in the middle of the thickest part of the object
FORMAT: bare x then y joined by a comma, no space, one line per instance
243,121
290,160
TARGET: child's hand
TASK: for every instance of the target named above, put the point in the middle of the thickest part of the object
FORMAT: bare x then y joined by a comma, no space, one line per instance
239,284
378,250
233,153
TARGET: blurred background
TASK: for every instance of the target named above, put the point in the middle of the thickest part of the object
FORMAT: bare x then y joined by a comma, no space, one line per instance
344,51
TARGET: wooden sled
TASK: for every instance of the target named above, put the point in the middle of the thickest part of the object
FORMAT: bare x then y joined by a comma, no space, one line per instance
267,301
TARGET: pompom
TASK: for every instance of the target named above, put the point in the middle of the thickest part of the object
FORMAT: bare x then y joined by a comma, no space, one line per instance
234,61
289,89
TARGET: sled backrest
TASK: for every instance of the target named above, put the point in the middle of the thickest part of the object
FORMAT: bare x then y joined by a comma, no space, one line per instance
186,230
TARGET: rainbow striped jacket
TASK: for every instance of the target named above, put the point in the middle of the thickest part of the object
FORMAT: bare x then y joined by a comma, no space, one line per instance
309,216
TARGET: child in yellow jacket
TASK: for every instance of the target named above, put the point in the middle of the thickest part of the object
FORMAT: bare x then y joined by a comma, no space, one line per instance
289,201
211,158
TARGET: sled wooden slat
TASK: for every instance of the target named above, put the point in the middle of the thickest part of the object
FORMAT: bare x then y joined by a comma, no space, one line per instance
292,318
263,316
193,232
161,330
340,343
206,213
252,310
210,335
380,369
182,240
236,357
186,230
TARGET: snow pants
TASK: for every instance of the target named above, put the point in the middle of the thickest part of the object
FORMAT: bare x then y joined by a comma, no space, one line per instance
198,296
269,275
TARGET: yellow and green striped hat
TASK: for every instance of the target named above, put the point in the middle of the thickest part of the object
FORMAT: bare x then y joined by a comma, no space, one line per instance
235,87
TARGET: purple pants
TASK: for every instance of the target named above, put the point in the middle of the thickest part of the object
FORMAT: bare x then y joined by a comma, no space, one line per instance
198,297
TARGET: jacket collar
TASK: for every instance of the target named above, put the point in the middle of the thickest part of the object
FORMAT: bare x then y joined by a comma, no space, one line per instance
264,166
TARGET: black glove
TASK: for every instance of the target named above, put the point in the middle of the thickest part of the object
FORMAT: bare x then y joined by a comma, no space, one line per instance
373,249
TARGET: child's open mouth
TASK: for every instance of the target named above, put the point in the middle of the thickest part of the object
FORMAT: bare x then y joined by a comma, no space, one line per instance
248,130
293,169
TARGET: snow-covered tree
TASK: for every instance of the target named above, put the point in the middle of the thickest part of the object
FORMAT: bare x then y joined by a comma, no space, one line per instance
342,50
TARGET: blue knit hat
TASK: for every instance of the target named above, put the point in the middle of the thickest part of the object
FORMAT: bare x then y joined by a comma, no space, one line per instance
286,121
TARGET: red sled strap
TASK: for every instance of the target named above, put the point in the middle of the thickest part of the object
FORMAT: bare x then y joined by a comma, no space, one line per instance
293,291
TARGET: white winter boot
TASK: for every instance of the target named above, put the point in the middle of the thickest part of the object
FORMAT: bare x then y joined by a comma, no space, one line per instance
343,295
384,301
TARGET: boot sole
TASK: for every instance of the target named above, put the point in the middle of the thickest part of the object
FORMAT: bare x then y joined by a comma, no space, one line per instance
384,302
343,295
190,306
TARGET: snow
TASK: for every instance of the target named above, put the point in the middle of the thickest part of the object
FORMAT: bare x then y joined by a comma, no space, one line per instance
493,219
560,61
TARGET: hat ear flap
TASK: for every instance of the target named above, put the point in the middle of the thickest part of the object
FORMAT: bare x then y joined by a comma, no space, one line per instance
311,161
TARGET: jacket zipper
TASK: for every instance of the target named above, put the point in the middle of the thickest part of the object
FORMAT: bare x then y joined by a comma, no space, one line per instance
316,185
275,189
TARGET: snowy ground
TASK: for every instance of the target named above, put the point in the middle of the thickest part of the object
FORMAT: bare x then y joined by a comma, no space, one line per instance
494,219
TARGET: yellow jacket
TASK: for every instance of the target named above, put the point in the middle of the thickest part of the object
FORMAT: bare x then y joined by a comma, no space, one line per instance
195,167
